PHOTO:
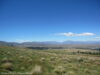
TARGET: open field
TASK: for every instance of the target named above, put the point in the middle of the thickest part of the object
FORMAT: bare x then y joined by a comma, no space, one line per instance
23,61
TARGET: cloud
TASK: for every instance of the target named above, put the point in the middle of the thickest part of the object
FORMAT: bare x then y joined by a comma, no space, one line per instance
75,34
21,41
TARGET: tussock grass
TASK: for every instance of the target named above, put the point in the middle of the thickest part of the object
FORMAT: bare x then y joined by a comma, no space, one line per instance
48,62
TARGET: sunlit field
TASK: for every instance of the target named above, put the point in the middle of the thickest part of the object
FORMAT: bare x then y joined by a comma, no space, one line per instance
23,61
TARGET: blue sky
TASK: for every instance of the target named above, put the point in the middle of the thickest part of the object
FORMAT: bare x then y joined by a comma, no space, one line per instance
49,20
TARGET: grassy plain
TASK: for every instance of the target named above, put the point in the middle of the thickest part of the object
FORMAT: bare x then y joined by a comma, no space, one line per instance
23,61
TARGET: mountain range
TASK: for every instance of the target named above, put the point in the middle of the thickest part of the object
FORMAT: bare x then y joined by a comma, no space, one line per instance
65,44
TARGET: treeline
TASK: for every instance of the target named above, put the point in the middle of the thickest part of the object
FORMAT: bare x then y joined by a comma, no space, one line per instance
42,48
97,52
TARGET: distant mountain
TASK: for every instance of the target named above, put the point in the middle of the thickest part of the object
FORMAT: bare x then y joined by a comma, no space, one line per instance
3,43
65,44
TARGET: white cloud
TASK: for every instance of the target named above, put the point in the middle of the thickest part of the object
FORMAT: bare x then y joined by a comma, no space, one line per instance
75,34
20,41
86,34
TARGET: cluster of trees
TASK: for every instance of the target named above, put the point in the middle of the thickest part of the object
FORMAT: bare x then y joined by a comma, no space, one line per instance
42,48
89,52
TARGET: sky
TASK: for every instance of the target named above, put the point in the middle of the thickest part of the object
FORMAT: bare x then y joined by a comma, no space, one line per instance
49,20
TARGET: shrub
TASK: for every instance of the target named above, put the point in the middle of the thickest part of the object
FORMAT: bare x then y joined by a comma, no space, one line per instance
59,70
80,59
7,66
42,59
